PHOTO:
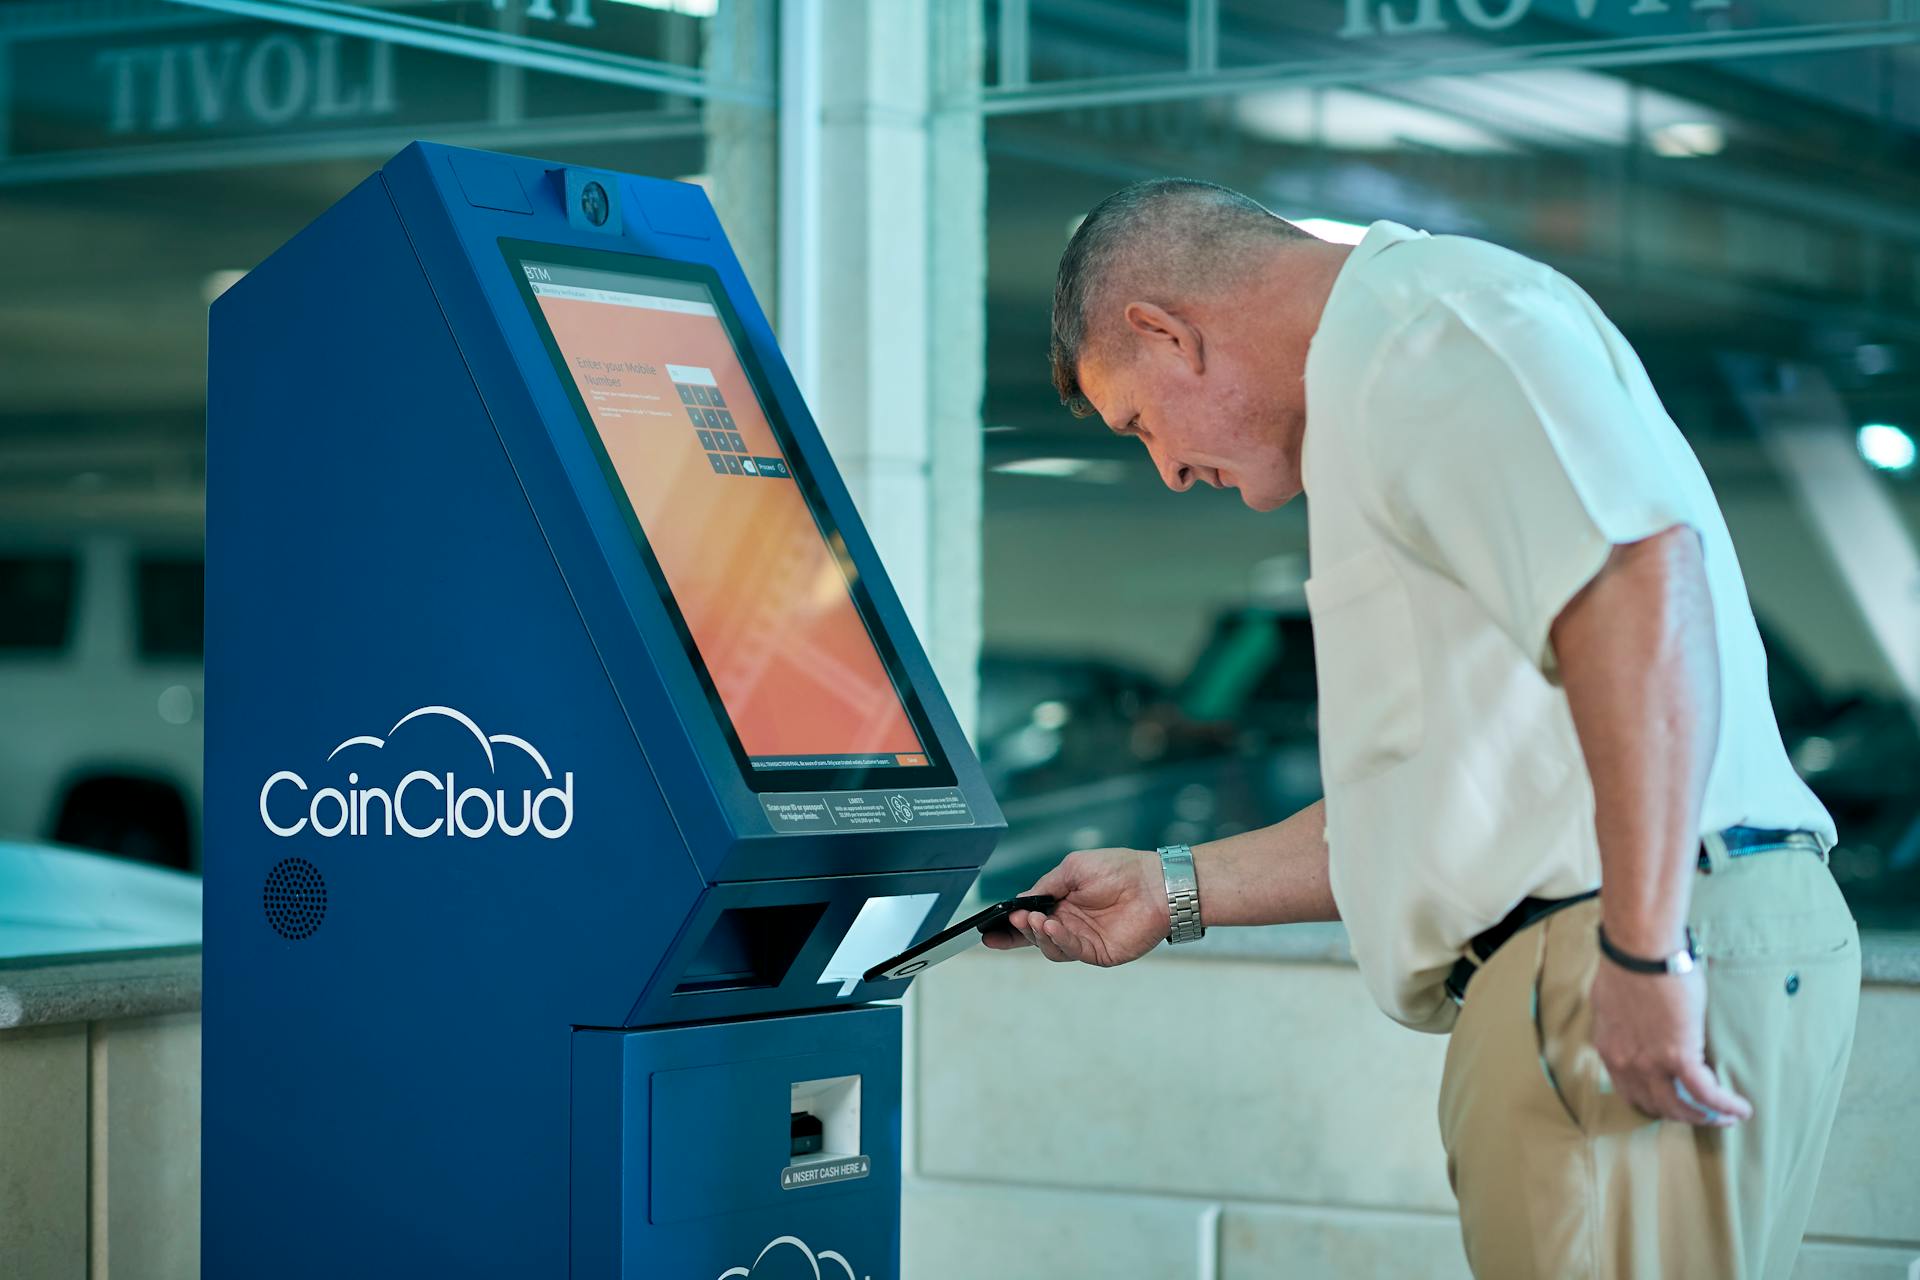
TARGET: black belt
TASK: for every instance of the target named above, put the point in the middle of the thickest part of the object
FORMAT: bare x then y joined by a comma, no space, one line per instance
1739,842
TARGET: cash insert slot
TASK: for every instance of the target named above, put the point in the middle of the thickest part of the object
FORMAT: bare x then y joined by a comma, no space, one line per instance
750,947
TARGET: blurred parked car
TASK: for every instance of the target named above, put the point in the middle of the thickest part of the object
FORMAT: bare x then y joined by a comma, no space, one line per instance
1860,752
1234,746
1049,722
1174,802
1085,753
56,902
1252,684
101,688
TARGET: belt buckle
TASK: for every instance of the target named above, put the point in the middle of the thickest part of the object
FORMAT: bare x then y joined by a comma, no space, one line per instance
1457,979
1729,849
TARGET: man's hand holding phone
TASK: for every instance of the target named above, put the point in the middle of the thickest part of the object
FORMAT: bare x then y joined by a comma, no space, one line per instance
1112,908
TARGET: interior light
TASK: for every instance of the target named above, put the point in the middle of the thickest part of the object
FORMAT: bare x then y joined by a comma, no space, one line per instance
1331,229
1887,447
1051,714
1352,120
1688,138
1874,359
694,8
218,282
1089,470
1814,754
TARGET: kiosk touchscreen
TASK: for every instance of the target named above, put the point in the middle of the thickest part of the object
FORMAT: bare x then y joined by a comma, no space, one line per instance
805,687
571,764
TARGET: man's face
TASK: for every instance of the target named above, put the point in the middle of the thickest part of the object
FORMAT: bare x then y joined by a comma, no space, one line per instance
1215,419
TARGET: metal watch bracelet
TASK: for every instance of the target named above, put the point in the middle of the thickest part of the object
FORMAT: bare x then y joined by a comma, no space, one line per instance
1183,894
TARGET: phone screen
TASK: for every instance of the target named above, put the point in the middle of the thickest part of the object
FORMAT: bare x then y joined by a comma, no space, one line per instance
954,939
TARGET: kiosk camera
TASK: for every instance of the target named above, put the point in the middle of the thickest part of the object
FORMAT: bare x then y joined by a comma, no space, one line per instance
569,758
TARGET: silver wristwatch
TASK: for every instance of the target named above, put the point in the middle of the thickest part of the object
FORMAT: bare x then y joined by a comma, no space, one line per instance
1183,894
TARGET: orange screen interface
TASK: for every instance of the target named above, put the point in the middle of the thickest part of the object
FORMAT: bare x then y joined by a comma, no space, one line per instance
766,601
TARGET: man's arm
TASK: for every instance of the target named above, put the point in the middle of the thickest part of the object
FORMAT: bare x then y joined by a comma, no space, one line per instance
1113,902
1275,875
1640,665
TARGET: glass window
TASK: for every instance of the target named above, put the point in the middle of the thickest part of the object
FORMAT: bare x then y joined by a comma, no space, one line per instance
152,154
172,623
36,603
1748,222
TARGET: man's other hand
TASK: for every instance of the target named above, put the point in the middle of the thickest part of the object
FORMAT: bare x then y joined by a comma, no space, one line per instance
1650,1031
1112,908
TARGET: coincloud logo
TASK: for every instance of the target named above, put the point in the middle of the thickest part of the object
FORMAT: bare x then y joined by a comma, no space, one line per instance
423,802
789,1256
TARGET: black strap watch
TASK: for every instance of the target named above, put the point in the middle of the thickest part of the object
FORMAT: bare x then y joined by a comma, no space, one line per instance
1681,961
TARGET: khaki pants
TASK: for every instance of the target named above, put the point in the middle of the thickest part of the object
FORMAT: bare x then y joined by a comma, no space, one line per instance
1559,1177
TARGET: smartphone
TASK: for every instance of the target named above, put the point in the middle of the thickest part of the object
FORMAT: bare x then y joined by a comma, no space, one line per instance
954,939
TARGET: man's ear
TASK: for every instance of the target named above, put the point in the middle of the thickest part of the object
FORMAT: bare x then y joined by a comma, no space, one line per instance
1155,325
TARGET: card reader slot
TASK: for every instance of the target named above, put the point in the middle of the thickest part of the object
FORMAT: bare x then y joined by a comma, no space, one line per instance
750,947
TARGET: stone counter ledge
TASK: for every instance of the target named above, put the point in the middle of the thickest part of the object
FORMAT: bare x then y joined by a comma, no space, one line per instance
43,990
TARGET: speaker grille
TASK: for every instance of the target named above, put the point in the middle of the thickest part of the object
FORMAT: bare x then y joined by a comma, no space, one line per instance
295,898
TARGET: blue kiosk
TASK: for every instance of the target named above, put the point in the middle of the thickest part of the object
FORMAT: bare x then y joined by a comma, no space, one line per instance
569,758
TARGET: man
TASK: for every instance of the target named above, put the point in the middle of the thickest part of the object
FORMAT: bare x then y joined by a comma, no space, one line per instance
1559,821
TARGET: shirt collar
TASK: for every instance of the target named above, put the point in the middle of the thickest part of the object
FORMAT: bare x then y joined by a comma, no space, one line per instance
1379,236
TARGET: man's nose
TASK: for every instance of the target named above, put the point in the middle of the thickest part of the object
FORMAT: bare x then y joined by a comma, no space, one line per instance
1178,476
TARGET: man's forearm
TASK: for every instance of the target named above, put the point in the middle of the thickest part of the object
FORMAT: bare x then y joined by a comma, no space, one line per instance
1640,666
1276,875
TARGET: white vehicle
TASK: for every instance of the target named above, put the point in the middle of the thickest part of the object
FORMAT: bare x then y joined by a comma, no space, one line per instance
101,687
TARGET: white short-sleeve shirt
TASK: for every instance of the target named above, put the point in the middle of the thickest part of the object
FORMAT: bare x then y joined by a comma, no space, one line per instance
1479,436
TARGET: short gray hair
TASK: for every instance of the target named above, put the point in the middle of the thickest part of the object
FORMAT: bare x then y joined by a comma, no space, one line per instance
1192,226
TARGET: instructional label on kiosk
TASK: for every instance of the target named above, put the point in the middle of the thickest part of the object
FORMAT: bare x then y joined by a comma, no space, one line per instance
867,810
820,1173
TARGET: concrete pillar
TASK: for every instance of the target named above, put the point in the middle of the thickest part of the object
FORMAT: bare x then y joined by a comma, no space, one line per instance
883,287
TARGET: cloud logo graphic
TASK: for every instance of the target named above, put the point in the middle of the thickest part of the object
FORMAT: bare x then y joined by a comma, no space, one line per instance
425,802
464,720
784,1248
